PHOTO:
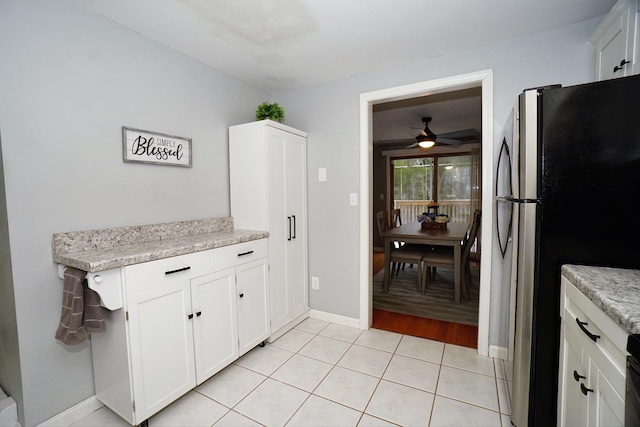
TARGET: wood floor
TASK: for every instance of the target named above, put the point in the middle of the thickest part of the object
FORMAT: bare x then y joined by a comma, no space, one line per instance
438,330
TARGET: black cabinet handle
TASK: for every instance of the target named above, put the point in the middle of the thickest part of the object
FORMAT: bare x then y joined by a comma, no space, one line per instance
241,295
190,316
199,313
585,390
178,270
245,253
577,376
294,226
289,219
593,337
619,67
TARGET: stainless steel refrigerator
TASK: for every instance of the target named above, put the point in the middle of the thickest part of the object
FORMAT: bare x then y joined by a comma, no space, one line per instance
567,183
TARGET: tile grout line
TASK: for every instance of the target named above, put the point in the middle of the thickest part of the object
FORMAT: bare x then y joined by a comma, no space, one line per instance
352,343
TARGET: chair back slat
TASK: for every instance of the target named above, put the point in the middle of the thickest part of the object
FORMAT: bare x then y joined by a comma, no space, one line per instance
471,236
382,220
397,218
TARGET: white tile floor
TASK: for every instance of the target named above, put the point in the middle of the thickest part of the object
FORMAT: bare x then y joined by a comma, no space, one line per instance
324,374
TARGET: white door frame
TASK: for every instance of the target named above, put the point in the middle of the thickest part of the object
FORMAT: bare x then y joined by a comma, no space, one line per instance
367,101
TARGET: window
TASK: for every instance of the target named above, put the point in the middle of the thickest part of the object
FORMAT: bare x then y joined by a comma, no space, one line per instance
444,179
413,179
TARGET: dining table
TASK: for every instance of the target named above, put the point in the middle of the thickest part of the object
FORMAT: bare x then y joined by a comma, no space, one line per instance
413,232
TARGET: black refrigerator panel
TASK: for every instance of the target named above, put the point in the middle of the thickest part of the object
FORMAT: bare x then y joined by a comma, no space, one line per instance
588,185
590,180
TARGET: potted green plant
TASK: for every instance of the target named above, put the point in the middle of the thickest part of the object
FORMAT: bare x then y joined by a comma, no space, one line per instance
271,111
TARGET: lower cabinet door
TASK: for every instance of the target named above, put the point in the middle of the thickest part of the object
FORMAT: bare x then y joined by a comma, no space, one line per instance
161,337
215,324
574,410
608,407
252,297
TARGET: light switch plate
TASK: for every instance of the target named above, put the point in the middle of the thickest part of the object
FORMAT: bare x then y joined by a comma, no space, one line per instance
322,174
353,199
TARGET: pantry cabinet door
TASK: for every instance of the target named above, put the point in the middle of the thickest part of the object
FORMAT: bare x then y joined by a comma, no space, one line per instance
280,227
161,337
296,251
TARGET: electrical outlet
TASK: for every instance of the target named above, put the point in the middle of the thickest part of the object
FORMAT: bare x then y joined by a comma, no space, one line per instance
315,283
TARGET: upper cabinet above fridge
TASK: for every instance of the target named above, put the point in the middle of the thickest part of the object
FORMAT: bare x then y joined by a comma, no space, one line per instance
616,42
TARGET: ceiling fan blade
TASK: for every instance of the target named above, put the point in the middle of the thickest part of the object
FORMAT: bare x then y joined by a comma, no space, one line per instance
448,141
461,134
415,144
422,132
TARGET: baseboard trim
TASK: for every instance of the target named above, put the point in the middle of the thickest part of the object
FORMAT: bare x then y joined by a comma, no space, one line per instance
498,352
335,318
288,326
73,414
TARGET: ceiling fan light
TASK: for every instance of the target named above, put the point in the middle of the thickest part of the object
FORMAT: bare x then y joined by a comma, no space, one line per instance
426,143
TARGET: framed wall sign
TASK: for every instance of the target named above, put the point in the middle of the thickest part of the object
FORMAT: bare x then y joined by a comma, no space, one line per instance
143,146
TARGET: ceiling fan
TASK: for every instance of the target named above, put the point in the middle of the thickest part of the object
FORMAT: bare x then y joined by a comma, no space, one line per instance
428,139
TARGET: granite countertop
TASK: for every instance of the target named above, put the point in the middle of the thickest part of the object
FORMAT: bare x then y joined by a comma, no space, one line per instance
99,250
615,291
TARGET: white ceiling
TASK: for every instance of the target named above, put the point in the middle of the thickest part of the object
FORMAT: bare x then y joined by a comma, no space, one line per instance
283,45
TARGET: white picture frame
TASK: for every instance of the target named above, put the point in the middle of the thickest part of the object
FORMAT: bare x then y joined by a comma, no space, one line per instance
143,146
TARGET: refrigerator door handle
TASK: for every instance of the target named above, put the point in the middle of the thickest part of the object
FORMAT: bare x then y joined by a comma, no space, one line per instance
525,273
512,199
515,200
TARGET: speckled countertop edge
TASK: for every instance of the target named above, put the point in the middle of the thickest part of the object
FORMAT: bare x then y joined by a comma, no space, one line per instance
615,291
104,249
105,259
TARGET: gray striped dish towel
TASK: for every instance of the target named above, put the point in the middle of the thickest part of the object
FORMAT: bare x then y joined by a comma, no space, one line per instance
81,310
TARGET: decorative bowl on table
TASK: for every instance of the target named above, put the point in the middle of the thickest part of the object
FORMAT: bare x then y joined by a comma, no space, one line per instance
433,225
433,221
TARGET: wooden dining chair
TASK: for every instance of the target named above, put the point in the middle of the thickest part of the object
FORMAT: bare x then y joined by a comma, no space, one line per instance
396,221
445,258
401,254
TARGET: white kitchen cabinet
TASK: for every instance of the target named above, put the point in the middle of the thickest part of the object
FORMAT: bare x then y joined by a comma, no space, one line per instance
184,319
591,385
616,42
215,329
268,192
253,309
574,406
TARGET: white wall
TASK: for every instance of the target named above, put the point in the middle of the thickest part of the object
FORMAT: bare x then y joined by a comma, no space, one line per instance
68,81
330,113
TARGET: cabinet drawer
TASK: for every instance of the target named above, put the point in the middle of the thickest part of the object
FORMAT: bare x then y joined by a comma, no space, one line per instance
230,256
153,274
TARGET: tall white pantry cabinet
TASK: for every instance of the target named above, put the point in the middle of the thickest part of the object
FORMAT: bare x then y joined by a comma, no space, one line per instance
268,180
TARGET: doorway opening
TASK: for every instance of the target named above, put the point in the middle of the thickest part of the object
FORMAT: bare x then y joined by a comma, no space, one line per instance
481,80
444,183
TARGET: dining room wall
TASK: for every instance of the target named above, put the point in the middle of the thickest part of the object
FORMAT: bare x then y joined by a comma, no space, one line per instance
69,80
330,113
